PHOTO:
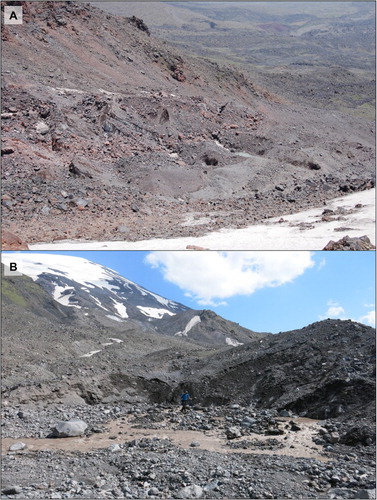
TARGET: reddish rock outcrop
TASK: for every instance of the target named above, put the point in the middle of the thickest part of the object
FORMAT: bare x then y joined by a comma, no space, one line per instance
10,241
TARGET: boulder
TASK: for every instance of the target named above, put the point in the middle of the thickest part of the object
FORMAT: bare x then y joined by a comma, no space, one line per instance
195,247
71,428
42,128
139,23
295,427
195,444
248,421
7,150
362,434
334,437
45,210
274,431
123,229
12,490
366,494
233,432
10,241
80,202
193,491
347,243
17,446
113,448
284,413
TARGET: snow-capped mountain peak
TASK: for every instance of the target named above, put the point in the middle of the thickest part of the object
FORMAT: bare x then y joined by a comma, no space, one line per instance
102,298
80,283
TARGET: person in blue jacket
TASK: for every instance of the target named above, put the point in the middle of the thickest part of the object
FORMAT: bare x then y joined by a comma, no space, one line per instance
185,398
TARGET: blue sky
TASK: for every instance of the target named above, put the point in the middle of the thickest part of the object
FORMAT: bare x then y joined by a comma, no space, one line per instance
263,291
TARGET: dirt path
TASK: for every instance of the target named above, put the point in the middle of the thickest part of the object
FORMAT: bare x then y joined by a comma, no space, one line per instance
296,444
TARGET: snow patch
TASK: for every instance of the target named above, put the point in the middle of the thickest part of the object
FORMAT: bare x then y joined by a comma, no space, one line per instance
63,298
89,354
153,312
75,305
221,146
121,308
161,300
115,318
65,89
59,290
193,321
118,341
98,302
233,342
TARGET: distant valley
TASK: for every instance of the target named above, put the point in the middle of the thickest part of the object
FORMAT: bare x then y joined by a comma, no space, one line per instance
322,56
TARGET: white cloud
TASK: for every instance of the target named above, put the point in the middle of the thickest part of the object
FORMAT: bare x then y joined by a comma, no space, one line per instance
369,318
334,310
212,276
322,263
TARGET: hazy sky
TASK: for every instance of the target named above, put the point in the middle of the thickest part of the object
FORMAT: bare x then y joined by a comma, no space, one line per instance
264,291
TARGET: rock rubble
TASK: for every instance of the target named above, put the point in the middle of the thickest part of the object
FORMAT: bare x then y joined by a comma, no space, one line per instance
154,466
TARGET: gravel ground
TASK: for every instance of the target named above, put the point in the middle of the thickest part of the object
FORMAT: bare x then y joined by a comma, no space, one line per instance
143,462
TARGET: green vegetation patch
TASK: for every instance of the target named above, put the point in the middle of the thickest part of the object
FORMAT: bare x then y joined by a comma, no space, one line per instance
11,294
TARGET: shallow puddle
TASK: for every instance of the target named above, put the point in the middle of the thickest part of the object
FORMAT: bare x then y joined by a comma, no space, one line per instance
297,444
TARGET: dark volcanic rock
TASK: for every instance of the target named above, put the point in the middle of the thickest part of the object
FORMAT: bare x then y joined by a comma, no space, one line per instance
71,428
364,435
347,243
139,23
12,490
324,370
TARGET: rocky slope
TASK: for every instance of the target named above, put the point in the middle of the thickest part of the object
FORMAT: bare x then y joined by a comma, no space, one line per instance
110,133
324,370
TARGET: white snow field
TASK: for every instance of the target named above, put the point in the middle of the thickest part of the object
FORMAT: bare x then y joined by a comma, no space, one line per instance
301,231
